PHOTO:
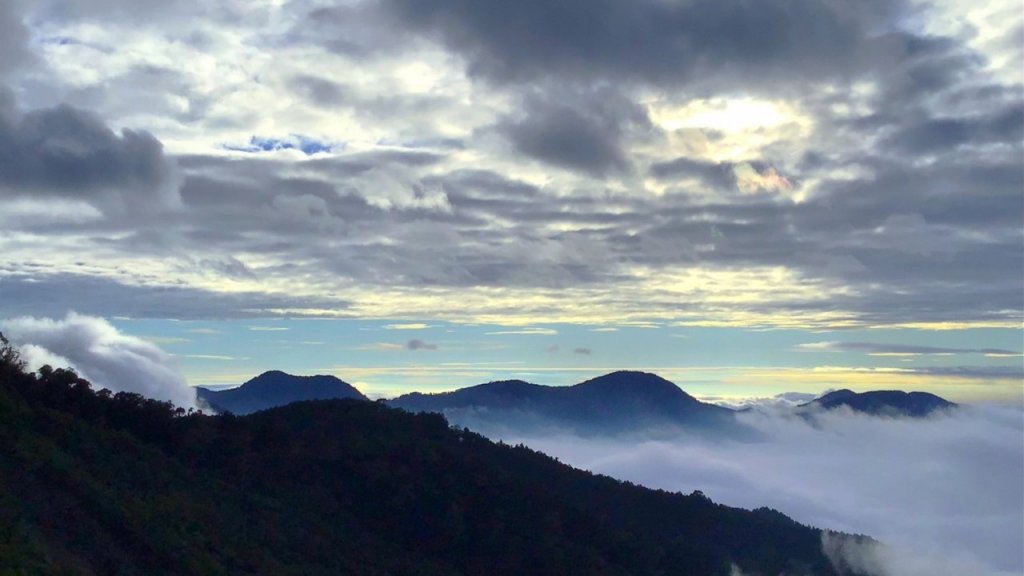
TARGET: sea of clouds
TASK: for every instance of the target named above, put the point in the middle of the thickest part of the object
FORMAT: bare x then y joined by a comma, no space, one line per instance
944,494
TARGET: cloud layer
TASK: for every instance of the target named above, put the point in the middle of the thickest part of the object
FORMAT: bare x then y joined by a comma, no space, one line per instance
943,494
781,164
101,354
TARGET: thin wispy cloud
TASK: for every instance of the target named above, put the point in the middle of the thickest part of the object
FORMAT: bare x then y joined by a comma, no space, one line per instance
525,332
216,357
409,326
413,345
885,349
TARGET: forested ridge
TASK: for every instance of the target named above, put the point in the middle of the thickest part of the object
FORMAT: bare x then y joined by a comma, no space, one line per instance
98,483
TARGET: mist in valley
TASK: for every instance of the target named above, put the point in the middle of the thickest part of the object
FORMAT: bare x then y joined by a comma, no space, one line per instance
944,494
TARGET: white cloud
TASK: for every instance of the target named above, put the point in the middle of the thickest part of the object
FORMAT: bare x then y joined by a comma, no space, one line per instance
943,494
409,326
215,357
526,332
877,558
101,354
783,402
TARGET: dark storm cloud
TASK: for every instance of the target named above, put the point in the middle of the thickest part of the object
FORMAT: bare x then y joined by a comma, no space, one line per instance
71,153
938,73
13,39
715,175
563,137
938,134
320,91
578,130
655,41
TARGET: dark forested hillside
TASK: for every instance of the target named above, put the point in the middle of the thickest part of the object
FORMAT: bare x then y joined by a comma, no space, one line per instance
100,483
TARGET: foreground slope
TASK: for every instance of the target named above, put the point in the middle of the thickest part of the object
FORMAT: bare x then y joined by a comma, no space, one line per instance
615,402
275,388
94,483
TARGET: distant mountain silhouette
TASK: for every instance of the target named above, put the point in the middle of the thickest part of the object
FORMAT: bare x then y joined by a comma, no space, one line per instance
882,402
276,388
619,401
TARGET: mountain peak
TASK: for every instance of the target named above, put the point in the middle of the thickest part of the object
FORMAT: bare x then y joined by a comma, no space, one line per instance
884,402
619,401
276,388
506,385
835,395
633,383
271,374
279,378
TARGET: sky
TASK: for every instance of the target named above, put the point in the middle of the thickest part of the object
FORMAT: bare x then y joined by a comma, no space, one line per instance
746,198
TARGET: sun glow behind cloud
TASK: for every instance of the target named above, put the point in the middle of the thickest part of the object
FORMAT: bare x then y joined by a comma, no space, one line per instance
726,114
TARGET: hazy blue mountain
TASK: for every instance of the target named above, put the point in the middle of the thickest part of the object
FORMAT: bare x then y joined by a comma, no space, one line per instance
882,402
276,388
620,401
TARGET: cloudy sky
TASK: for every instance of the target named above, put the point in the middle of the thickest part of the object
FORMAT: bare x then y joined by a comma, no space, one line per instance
747,197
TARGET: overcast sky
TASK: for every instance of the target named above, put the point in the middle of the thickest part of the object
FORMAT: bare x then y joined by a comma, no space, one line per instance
753,197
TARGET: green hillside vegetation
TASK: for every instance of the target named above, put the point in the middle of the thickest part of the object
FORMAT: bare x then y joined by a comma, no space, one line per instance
99,483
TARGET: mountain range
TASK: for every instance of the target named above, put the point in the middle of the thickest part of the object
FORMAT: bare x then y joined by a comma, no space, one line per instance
616,402
619,402
102,483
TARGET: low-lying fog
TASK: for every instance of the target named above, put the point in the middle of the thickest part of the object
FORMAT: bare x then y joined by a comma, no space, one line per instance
946,494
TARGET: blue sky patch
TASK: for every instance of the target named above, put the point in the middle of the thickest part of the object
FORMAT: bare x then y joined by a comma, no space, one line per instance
306,145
